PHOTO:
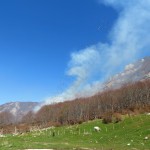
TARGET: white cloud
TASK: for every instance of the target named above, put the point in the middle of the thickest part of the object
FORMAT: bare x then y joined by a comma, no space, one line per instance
128,67
80,65
129,39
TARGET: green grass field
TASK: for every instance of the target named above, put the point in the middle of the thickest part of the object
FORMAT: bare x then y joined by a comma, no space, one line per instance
128,134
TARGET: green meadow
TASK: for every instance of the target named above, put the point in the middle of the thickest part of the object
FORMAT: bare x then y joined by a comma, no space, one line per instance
132,133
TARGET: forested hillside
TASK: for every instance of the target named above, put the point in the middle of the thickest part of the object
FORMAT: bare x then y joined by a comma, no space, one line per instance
133,98
108,106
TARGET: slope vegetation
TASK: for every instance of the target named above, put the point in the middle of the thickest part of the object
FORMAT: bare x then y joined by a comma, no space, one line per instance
132,133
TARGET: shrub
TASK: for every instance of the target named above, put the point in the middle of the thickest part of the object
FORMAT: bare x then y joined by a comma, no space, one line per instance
80,121
117,118
107,118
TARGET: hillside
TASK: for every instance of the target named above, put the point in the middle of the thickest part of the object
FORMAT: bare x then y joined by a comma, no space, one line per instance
138,71
133,133
18,109
69,124
134,72
125,100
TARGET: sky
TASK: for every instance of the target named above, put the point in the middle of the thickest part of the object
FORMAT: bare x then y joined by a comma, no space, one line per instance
48,48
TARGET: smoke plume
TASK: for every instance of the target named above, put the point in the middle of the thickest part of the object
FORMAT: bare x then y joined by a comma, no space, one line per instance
129,38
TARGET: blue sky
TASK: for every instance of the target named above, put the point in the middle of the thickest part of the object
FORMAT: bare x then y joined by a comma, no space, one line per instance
37,38
55,49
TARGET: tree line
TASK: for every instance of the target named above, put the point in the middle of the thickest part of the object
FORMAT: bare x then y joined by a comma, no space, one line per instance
129,98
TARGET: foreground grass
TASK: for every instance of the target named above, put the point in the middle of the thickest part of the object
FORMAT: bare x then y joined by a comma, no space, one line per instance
126,135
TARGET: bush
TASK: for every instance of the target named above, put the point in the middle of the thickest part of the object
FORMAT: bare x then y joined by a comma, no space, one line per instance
117,118
107,118
80,121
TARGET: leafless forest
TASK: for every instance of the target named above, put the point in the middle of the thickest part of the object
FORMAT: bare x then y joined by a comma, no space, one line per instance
108,106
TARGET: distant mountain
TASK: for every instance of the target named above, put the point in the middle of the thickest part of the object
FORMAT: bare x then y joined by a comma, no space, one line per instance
137,71
18,109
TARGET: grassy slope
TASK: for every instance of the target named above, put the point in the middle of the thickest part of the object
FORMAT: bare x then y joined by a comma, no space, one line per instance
132,130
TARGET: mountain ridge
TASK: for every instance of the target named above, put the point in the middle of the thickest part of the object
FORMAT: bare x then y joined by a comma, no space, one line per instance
137,71
133,72
18,109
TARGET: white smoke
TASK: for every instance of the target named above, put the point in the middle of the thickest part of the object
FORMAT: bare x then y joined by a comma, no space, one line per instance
129,39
